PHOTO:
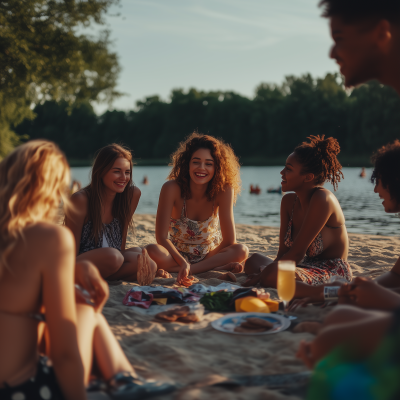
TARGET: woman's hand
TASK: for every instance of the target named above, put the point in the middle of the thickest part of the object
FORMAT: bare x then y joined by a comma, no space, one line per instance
183,275
366,293
88,277
304,353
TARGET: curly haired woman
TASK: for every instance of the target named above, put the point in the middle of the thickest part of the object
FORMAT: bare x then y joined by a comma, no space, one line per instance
200,193
313,232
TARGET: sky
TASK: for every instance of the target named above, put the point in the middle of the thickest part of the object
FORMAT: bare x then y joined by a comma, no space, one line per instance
227,45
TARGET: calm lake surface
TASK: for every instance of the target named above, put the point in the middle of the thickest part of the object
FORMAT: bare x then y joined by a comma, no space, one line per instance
361,206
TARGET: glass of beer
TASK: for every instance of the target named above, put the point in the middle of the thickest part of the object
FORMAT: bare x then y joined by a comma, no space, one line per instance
286,284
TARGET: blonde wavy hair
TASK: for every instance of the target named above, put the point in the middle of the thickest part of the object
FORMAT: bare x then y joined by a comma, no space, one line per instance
227,167
33,180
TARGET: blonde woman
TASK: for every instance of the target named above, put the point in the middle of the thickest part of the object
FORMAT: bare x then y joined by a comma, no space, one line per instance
37,260
102,215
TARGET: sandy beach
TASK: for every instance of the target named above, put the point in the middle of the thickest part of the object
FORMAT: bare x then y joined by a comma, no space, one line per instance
196,355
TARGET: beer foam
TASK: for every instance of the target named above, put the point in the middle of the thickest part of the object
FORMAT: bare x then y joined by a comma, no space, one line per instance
287,265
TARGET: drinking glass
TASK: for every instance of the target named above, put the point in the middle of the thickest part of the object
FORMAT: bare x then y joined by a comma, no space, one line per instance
286,284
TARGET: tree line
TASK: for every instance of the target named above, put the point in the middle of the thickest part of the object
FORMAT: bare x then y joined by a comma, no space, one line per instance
46,54
269,125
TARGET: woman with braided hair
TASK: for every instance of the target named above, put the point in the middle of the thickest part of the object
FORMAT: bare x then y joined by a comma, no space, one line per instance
312,232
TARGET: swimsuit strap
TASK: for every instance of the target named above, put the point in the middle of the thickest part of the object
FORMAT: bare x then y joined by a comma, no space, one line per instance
295,200
335,227
183,212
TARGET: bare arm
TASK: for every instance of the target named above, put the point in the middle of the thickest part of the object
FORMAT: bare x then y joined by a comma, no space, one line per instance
226,220
135,201
391,279
75,217
169,192
286,204
318,213
59,302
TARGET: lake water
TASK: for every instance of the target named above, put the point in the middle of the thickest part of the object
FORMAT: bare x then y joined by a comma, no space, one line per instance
361,206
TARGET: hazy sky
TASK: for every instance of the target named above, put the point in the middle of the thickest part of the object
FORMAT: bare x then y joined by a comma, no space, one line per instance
215,45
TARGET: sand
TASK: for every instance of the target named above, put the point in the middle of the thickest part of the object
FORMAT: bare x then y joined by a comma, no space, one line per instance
196,355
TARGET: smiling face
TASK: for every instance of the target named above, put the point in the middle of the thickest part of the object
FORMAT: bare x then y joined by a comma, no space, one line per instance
357,49
118,176
201,167
390,205
292,177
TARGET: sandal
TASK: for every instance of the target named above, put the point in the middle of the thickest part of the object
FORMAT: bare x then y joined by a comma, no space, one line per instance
124,386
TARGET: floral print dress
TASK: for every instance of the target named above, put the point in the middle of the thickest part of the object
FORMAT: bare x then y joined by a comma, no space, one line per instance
194,239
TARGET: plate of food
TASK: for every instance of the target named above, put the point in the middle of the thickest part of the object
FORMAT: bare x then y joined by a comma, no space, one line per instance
251,323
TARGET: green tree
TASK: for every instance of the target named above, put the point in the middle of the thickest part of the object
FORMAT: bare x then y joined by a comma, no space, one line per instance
44,55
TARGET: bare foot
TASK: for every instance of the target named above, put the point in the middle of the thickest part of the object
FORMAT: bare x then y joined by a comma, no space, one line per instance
147,269
163,274
228,277
308,326
234,267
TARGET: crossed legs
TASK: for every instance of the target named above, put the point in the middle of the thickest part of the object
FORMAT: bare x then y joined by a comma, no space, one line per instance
229,258
113,264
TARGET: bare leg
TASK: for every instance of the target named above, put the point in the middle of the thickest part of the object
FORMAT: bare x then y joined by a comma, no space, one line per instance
128,269
236,253
162,258
107,260
86,326
95,338
256,263
109,356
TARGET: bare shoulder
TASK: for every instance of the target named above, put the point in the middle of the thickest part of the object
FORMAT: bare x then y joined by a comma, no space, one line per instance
171,188
322,196
79,199
136,193
225,194
48,237
288,200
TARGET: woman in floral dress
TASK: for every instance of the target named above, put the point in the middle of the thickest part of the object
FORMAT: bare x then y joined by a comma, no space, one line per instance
195,228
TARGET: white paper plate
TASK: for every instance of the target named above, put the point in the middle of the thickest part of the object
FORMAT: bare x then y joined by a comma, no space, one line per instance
229,322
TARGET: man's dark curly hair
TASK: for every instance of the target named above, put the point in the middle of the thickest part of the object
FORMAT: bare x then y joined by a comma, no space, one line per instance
227,168
318,157
354,10
387,168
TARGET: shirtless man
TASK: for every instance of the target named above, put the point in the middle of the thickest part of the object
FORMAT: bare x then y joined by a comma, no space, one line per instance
366,36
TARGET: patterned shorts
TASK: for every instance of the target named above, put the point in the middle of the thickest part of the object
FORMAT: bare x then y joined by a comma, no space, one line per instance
316,272
42,386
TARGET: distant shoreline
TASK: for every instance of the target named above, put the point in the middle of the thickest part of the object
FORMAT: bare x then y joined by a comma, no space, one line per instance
346,160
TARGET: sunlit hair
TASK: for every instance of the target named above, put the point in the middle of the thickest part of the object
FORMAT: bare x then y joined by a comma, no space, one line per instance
227,168
33,180
386,168
319,157
121,208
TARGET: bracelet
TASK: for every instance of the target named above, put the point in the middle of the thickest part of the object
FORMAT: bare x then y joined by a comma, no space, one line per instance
331,293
